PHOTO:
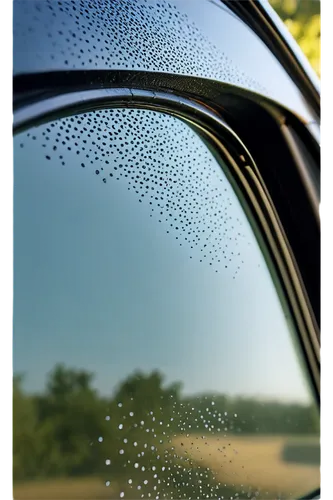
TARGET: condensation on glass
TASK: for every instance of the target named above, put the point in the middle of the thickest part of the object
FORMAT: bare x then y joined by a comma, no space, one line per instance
152,356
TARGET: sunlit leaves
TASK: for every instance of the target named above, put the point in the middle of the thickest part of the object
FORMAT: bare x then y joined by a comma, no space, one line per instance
290,6
302,18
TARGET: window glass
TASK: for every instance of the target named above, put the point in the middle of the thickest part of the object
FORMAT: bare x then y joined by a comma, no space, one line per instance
152,355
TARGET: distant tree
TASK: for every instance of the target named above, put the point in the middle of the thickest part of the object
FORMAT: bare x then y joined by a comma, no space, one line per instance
73,416
141,416
25,432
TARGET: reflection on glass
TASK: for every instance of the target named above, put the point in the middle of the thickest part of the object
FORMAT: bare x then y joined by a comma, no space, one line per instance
152,357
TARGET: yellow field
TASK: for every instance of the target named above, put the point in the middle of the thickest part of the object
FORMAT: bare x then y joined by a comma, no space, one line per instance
63,489
252,461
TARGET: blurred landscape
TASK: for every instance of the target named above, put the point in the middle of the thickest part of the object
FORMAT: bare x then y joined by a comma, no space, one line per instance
302,18
149,440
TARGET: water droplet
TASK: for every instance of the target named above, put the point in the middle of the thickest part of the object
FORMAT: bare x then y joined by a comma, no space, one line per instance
100,439
136,465
122,494
107,483
120,426
107,417
108,461
121,452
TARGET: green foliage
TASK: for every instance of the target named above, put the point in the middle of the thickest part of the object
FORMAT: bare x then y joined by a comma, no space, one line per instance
302,18
24,437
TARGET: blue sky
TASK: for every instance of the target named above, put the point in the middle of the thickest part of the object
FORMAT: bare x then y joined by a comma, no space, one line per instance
101,285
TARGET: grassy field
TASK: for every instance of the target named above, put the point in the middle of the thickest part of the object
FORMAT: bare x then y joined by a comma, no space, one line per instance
238,463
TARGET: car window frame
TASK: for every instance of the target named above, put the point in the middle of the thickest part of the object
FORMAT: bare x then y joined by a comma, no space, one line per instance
243,175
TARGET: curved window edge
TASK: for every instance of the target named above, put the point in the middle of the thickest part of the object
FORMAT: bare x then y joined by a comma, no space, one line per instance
242,173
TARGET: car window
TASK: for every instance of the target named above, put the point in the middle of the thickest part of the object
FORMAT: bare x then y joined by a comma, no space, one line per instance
153,355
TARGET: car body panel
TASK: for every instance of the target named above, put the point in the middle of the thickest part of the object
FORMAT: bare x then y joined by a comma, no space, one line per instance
201,38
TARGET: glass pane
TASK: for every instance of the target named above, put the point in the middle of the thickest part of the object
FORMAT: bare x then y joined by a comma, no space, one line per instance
152,356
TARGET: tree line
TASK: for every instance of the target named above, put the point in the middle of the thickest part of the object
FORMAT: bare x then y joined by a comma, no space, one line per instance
71,430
